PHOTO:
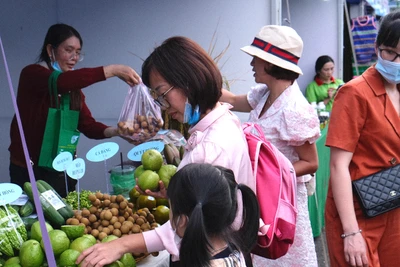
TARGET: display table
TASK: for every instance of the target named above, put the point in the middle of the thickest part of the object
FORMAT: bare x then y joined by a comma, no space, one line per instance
316,202
162,260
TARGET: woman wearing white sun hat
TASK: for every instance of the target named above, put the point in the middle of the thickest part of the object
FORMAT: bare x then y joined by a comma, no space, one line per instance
288,121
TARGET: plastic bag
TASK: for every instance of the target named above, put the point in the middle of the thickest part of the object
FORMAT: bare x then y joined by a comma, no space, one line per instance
170,136
140,117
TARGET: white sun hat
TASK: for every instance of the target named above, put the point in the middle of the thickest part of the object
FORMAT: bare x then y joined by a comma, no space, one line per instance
279,45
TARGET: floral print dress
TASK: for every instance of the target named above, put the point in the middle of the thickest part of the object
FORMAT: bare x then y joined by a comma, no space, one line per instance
289,122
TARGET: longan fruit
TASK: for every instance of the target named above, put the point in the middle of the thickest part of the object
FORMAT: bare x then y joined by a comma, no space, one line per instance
114,219
88,229
85,221
117,225
92,197
106,230
93,209
139,221
68,221
74,221
97,203
114,211
145,226
111,227
96,224
117,232
125,229
123,205
102,235
105,223
120,198
135,228
113,198
114,206
92,218
85,212
121,219
95,233
107,215
106,203
99,195
106,196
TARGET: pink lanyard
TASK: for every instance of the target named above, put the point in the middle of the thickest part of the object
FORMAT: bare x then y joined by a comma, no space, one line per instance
46,240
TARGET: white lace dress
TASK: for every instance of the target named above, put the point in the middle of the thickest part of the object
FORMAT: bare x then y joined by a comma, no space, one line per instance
289,122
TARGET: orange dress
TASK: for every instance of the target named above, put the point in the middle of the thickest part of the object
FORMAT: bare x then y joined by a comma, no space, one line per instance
365,122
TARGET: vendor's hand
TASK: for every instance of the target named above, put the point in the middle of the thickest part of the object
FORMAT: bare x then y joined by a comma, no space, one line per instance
159,194
355,250
125,73
100,254
129,140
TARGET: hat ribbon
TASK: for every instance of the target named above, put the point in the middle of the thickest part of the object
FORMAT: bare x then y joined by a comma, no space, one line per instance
274,50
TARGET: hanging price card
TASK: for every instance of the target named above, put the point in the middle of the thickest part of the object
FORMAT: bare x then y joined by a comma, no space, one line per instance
9,192
61,162
135,154
102,151
76,169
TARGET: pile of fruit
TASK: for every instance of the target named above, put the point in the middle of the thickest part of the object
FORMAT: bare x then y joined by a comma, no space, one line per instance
67,244
101,217
112,215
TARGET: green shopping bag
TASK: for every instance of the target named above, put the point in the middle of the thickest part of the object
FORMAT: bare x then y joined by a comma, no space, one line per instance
61,134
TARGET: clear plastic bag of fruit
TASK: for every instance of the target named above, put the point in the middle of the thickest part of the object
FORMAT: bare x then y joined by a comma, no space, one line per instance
140,117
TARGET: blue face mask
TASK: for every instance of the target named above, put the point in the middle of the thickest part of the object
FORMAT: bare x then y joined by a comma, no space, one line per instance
54,63
55,66
191,116
389,70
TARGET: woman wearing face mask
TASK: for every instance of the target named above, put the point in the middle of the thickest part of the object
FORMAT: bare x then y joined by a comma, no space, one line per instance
364,138
61,51
324,86
188,85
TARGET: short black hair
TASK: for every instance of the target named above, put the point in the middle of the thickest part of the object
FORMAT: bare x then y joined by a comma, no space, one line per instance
389,30
186,65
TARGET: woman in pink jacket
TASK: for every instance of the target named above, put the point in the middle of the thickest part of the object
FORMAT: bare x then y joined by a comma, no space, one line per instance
188,85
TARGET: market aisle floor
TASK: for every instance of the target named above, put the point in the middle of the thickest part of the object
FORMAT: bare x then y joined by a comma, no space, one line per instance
322,250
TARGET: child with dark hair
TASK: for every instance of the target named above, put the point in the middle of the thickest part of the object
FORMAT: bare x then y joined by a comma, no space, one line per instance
203,202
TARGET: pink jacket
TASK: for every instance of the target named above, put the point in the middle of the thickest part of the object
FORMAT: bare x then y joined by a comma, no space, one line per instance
217,139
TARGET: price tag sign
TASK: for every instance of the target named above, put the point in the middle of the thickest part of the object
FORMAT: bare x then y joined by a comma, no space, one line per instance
61,162
76,169
9,192
102,151
135,154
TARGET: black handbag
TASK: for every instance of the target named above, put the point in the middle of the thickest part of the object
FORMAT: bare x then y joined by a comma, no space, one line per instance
379,192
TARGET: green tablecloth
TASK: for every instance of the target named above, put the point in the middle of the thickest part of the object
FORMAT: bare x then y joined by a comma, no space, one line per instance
316,202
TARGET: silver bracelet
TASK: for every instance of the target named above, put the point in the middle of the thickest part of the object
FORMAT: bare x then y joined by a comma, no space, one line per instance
350,234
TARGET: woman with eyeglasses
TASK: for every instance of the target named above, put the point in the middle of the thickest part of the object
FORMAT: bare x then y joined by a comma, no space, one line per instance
61,51
188,85
364,138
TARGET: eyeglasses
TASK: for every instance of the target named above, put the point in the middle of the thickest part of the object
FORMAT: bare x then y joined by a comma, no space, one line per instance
388,54
72,54
160,100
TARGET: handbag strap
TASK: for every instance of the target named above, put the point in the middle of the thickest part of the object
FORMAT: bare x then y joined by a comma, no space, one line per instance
65,98
52,84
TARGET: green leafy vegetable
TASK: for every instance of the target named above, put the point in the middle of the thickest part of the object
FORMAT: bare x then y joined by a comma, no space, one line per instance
72,199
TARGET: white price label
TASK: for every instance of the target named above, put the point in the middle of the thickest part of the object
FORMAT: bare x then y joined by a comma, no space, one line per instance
53,199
